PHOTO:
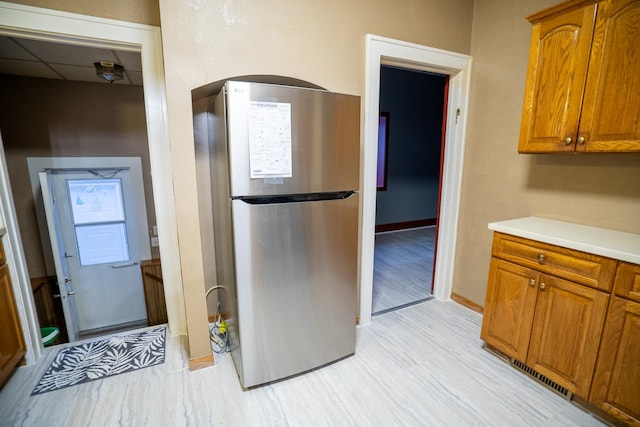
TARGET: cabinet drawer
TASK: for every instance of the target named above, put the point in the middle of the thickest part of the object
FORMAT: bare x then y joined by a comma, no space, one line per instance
588,269
627,284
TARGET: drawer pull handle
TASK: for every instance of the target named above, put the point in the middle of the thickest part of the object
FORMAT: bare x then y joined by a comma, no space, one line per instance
541,258
542,286
532,282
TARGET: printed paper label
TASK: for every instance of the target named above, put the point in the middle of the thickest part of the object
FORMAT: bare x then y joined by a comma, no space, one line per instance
270,139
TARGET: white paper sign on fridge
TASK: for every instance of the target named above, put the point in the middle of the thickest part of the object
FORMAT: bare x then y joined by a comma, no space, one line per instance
270,139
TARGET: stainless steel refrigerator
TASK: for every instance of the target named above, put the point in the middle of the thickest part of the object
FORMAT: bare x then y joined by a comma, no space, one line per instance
284,167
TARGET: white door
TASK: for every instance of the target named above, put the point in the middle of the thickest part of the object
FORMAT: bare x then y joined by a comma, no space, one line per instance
62,272
97,215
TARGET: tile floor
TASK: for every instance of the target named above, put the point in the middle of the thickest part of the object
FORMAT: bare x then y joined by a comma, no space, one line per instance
423,365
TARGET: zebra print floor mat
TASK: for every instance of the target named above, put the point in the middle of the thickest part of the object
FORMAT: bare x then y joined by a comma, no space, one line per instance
94,360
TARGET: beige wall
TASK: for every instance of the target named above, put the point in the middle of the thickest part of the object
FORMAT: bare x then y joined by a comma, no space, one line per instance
139,11
55,118
322,42
600,189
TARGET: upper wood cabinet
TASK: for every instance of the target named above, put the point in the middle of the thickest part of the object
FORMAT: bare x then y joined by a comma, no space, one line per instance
582,91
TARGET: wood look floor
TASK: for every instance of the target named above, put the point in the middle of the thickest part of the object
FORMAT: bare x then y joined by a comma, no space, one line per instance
423,365
402,268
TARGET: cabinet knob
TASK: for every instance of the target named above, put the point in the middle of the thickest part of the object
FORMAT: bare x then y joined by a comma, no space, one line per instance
540,258
580,140
532,282
542,286
567,140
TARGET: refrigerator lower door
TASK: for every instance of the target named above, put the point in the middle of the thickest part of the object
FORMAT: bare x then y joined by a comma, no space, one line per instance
296,272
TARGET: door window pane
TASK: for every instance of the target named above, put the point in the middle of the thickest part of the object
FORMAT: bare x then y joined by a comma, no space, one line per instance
96,200
98,244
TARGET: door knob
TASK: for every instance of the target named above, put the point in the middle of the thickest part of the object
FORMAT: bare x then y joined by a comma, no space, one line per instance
580,140
567,140
532,282
71,293
542,286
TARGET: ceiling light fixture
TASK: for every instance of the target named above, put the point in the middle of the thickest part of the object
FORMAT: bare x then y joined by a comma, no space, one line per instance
110,71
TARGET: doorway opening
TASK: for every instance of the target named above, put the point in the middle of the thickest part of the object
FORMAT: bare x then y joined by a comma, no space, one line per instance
412,103
74,134
385,51
88,31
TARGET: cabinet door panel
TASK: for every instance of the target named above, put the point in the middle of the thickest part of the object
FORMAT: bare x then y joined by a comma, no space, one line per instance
611,109
566,332
12,346
616,382
509,308
556,75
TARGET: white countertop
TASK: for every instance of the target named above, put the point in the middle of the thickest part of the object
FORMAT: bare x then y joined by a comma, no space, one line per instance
599,241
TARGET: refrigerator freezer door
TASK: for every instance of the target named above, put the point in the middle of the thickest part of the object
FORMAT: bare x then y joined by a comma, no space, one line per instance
287,140
296,270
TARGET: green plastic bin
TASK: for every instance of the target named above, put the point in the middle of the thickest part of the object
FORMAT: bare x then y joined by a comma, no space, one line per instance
49,335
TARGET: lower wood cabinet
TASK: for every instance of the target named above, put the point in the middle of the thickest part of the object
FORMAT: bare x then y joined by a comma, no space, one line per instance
616,382
570,316
12,346
550,324
566,332
509,308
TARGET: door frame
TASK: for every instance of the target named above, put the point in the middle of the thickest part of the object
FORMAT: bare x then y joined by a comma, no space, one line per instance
82,30
386,51
35,165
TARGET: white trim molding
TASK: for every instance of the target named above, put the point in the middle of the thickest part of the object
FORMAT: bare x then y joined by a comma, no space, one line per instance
70,28
14,253
385,51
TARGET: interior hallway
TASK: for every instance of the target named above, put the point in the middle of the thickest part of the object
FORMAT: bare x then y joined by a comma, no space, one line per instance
422,365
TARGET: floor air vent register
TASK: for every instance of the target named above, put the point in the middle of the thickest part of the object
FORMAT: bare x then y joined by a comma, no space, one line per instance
542,379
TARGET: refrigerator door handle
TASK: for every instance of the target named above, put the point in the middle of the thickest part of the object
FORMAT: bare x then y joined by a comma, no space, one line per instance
295,198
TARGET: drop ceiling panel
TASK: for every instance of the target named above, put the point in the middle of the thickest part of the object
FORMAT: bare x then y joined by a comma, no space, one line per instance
131,61
10,49
35,58
27,68
67,54
135,77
